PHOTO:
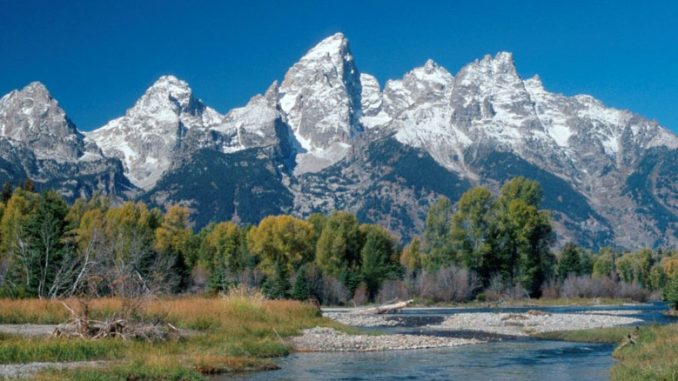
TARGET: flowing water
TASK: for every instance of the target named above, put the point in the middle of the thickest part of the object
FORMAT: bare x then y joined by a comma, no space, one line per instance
505,359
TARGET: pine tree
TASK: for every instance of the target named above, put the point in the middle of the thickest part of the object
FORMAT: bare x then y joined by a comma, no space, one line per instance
277,285
301,289
570,261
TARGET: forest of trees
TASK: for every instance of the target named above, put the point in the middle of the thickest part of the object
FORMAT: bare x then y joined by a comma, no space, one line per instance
488,247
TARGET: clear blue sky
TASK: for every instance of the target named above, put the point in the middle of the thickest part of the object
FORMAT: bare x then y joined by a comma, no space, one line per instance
97,57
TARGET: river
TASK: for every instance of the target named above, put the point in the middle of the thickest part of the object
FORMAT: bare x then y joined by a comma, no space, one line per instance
505,359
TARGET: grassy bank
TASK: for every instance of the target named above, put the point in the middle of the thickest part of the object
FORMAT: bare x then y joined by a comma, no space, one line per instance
613,335
653,356
231,334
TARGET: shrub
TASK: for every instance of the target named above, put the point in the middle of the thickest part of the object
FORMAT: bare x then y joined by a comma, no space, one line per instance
393,290
601,287
449,284
361,295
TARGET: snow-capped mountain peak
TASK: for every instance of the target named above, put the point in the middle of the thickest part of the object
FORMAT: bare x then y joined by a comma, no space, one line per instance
31,116
320,98
147,137
168,93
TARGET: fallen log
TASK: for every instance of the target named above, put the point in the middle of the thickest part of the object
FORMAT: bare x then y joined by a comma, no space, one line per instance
386,308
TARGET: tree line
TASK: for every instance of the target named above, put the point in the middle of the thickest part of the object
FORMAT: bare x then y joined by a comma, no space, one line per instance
486,247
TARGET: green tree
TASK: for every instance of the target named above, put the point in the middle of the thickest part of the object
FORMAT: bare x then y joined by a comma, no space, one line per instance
570,261
277,284
301,289
471,232
338,248
671,292
636,267
40,250
436,245
523,235
378,258
317,220
604,263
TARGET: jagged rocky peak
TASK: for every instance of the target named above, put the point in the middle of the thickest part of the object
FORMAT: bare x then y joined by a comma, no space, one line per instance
428,83
489,76
31,116
253,125
167,93
370,95
535,85
146,138
320,96
172,98
489,94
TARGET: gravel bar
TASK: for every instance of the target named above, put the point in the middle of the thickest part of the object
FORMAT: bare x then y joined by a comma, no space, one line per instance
330,340
524,324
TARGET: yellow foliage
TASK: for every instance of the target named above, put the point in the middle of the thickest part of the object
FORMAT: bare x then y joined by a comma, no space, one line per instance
175,231
670,265
281,239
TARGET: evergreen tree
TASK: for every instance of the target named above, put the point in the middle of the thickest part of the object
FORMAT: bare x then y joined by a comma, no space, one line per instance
569,261
277,285
301,289
42,250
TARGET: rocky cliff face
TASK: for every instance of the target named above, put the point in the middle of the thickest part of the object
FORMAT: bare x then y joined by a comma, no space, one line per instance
146,138
39,141
32,117
329,137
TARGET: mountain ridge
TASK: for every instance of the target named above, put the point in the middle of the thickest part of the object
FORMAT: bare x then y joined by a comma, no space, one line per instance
310,133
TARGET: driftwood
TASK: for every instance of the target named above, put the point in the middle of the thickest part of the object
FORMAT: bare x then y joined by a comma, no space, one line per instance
82,326
385,308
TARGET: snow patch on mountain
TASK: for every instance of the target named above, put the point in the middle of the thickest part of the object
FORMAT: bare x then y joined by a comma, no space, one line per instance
146,137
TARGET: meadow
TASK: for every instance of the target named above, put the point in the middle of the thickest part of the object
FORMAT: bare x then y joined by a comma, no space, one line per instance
235,333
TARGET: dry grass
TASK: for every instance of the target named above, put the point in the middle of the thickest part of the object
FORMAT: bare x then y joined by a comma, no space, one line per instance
235,333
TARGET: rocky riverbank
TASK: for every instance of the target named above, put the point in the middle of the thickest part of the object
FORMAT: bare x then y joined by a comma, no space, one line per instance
531,322
330,340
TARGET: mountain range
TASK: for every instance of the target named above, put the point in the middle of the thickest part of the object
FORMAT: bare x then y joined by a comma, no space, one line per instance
329,137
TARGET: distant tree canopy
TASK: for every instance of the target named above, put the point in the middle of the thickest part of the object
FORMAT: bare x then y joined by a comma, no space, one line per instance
483,243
